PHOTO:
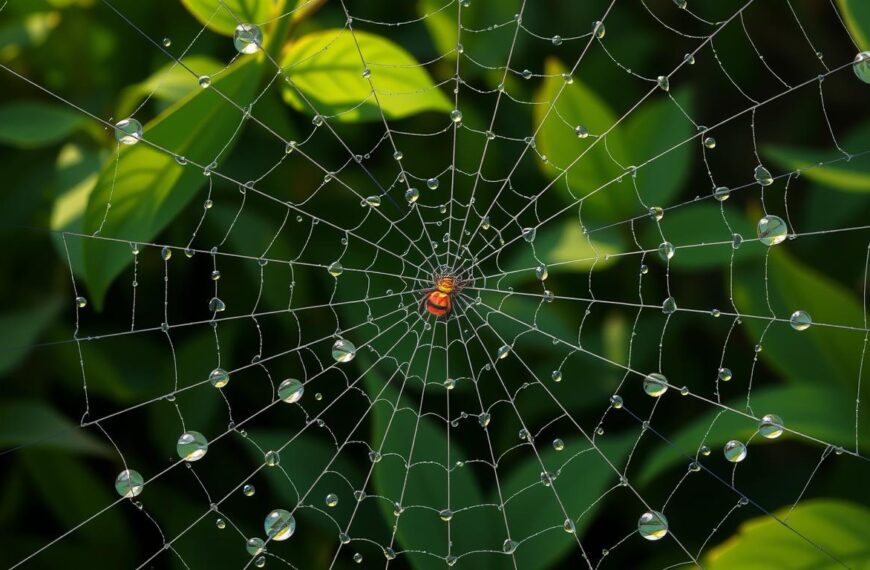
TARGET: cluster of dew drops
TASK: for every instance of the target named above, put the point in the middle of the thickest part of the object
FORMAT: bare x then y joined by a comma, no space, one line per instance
279,524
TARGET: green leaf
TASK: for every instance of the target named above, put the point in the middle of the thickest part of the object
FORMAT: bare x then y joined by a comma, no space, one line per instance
534,509
692,226
327,68
419,528
856,14
21,328
830,526
26,31
653,129
218,19
150,187
798,406
818,353
35,424
169,83
33,124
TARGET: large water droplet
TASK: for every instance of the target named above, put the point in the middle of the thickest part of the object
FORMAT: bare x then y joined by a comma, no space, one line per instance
215,305
862,66
331,500
558,444
456,116
219,377
343,351
412,195
128,131
291,390
272,458
772,230
800,320
710,142
249,490
445,515
247,38
616,401
279,525
191,446
669,306
770,426
129,483
509,546
762,176
529,234
655,384
666,250
335,269
432,184
725,374
735,451
652,525
541,272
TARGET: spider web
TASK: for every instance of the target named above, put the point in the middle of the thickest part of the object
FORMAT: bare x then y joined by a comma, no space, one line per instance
497,436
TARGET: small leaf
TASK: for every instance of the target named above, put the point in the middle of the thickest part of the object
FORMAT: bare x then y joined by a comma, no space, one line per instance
856,14
798,406
327,68
832,354
32,124
821,534
150,188
535,510
224,19
843,175
35,424
169,83
20,329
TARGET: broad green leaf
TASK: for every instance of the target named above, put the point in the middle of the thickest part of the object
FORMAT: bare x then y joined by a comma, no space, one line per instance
169,83
827,354
824,534
31,423
578,105
76,175
583,476
224,20
856,14
693,229
816,411
327,68
150,187
32,124
420,529
20,329
846,176
564,248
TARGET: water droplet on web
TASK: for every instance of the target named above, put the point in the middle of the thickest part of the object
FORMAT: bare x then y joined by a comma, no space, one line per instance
861,67
680,4
598,29
249,490
644,269
762,176
456,116
616,401
652,525
317,120
204,81
558,444
81,302
279,525
509,546
725,374
129,483
710,142
484,223
484,419
412,195
735,451
215,305
432,184
694,467
556,375
666,250
663,83
375,456
359,496
331,500
191,446
450,383
291,390
655,384
529,234
689,58
166,42
772,230
366,73
358,558
527,74
705,450
260,562
345,539
343,350
770,426
254,546
247,38
669,306
128,131
219,377
800,320
445,515
656,213
721,193
220,523
389,553
556,40
335,269
503,351
567,78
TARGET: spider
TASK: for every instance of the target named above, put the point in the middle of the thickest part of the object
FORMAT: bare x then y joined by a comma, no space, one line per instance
438,300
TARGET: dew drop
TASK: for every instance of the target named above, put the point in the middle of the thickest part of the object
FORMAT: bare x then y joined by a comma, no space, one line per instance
412,195
335,269
219,377
663,83
800,320
165,254
204,81
725,374
772,230
666,250
762,176
358,558
279,525
652,525
598,29
128,131
655,384
529,234
509,546
484,223
220,523
556,40
317,120
669,306
215,275
81,302
736,241
343,351
373,201
375,456
581,132
291,390
249,490
247,38
191,446
166,42
721,193
705,450
129,483
445,515
541,272
681,4
861,67
331,500
215,305
366,73
770,426
456,116
616,401
656,213
389,553
556,375
558,444
735,451
689,58
260,562
503,351
710,142
527,74
484,419
254,546
432,184
567,78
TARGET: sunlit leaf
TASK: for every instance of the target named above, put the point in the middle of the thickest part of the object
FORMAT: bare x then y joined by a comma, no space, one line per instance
169,83
224,20
150,188
856,14
327,68
820,534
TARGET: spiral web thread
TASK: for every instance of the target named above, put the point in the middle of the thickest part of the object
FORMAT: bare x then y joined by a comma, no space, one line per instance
410,354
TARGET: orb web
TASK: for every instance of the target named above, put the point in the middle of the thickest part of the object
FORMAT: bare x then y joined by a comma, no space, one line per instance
545,419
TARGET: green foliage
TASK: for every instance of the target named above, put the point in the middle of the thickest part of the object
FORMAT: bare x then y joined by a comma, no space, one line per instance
34,424
326,67
31,124
856,14
19,329
839,538
223,19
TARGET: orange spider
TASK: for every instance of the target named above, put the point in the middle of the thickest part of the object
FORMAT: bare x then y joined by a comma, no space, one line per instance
438,300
